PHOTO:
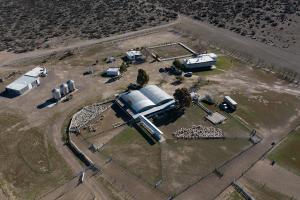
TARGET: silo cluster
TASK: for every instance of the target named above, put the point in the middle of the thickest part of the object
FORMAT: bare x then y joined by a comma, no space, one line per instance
63,90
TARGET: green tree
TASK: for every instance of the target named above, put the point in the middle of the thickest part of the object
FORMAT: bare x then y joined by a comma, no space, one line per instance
177,63
182,97
179,79
142,77
123,67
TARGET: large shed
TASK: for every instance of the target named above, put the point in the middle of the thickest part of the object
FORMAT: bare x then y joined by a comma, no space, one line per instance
148,100
22,85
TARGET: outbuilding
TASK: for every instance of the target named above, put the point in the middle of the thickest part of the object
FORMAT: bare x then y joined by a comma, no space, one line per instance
22,85
113,71
135,57
200,63
230,102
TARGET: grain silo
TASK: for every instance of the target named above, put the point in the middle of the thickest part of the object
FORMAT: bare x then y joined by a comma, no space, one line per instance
71,85
56,94
64,90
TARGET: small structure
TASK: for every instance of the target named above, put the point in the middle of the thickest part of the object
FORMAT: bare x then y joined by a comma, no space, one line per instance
216,118
113,71
22,85
151,128
230,103
37,72
96,147
71,85
26,82
110,59
56,94
200,63
64,90
135,57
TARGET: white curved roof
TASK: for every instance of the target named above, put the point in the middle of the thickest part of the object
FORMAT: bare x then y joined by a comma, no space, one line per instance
137,101
155,94
145,98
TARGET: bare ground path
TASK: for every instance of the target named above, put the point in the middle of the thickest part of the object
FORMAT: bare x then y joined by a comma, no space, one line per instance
8,58
275,177
211,186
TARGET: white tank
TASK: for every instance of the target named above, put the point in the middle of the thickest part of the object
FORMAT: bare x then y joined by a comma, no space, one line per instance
64,90
71,85
56,94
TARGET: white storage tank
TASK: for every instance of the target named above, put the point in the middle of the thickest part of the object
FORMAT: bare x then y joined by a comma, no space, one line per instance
64,90
71,85
56,94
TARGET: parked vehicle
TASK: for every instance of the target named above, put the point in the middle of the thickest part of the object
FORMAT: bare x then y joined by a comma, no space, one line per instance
161,70
188,74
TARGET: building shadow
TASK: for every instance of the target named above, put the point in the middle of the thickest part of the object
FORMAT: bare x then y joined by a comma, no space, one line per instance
168,118
46,103
8,95
120,113
144,134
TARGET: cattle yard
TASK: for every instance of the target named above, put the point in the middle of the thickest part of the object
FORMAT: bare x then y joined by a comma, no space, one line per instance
194,149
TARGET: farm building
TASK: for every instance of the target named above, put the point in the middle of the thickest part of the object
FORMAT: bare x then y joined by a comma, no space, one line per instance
230,102
150,127
200,63
135,57
22,85
113,71
26,82
148,101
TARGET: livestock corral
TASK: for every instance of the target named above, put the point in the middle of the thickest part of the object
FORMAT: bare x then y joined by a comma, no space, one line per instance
201,149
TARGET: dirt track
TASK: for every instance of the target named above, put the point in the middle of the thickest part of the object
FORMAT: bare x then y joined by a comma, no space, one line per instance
275,177
205,189
248,49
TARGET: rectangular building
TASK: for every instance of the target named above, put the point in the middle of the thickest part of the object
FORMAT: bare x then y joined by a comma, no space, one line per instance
148,101
200,63
22,85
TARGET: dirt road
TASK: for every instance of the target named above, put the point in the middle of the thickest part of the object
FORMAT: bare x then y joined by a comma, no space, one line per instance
248,48
211,186
275,177
9,59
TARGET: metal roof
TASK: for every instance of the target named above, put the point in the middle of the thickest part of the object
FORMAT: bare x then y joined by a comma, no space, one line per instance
156,94
137,101
113,69
145,98
228,98
133,53
36,72
21,82
200,59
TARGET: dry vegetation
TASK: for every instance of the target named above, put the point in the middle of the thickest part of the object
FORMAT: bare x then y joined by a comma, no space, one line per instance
267,21
25,25
30,165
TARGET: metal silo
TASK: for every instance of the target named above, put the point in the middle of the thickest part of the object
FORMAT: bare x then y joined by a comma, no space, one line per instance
71,85
64,90
56,94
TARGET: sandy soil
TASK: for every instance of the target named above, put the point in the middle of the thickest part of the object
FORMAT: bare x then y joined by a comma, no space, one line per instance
93,88
275,177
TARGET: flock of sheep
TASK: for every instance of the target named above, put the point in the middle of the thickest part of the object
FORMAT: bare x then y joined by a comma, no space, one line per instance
85,115
198,132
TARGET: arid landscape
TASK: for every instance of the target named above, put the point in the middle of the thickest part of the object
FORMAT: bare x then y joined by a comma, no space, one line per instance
87,146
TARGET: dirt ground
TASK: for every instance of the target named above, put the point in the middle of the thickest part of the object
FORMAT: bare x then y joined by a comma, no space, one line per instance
239,80
275,178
